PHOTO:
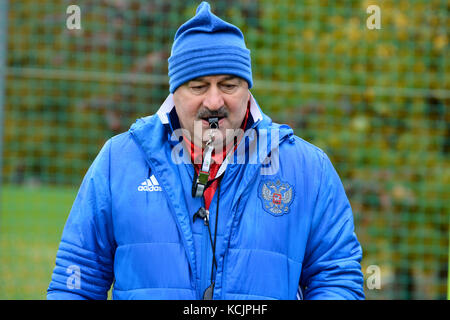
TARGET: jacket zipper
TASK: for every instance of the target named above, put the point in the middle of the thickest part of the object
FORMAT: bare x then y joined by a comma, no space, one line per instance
205,257
224,276
225,258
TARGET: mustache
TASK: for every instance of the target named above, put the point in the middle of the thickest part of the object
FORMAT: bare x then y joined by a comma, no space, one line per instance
206,113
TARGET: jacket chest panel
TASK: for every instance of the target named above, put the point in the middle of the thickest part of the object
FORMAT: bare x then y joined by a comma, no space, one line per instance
270,215
142,215
263,242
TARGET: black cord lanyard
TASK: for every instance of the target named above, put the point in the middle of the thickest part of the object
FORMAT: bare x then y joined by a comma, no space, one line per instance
204,214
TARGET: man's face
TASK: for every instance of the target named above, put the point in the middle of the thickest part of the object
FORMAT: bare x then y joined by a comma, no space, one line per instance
222,96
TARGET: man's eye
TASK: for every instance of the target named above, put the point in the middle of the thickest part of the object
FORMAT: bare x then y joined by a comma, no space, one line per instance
199,88
229,87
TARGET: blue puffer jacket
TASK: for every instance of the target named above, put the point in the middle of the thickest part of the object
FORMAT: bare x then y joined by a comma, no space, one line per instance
281,234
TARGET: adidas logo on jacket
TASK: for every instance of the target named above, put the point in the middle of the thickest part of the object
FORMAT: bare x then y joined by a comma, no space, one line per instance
150,185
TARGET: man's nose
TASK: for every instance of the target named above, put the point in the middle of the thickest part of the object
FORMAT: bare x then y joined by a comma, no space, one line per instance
213,99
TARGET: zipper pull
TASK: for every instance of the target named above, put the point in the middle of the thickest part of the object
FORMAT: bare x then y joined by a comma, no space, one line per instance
207,218
202,213
208,294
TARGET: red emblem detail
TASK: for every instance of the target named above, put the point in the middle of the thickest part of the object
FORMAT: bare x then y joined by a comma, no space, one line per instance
276,198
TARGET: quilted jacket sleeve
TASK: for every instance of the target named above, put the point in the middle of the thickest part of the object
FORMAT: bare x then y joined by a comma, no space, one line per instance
84,261
332,267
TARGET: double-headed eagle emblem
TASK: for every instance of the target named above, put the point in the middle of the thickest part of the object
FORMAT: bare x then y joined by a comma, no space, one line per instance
276,196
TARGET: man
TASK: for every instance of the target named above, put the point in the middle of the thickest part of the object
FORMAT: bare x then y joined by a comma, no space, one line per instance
209,199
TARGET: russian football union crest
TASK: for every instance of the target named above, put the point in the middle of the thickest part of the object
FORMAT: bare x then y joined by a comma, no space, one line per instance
276,196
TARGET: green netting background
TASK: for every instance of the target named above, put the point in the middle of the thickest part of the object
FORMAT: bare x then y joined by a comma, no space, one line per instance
377,101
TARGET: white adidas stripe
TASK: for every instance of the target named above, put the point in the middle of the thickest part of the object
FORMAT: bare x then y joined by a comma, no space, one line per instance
154,181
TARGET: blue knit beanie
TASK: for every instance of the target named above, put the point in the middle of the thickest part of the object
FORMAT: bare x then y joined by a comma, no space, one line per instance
207,45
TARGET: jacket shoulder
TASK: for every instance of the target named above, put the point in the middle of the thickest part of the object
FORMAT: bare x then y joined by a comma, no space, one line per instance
302,149
294,142
123,141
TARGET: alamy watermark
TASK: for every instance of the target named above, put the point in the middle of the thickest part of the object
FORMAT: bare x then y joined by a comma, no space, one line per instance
374,20
374,280
74,280
73,21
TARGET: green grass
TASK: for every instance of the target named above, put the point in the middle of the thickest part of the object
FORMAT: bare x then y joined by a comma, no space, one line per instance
31,224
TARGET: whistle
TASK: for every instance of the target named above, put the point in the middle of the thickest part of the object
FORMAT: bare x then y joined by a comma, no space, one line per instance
213,123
